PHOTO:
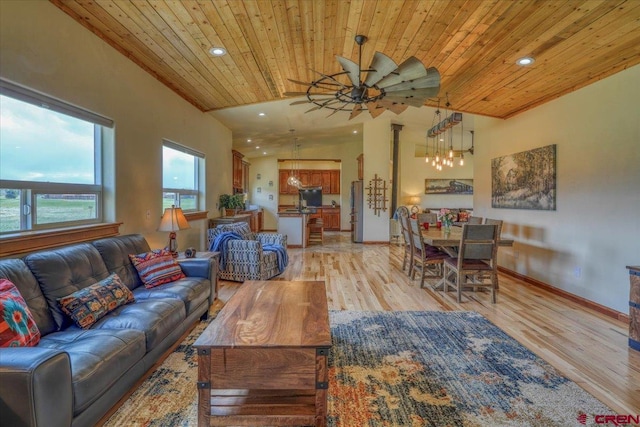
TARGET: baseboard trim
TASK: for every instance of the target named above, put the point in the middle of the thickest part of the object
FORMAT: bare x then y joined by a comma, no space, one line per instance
609,312
374,242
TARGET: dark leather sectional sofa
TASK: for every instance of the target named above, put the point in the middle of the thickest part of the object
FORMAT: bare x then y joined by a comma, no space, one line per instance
74,376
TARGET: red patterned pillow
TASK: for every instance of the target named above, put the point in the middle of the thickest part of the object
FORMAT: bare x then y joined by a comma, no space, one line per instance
17,327
157,267
88,305
463,216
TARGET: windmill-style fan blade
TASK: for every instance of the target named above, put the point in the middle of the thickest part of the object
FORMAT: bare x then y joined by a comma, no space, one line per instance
374,109
330,77
380,67
416,97
324,104
410,69
392,106
431,80
357,109
305,93
306,101
352,69
298,82
328,85
406,99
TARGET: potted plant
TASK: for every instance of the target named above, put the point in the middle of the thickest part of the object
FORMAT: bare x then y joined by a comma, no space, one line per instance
230,204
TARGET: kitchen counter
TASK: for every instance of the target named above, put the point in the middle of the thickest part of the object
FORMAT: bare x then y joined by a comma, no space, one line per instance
294,225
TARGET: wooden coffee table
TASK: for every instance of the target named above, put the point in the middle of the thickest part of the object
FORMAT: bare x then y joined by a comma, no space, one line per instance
263,359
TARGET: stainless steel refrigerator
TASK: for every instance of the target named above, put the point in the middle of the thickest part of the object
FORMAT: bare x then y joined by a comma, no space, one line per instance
357,208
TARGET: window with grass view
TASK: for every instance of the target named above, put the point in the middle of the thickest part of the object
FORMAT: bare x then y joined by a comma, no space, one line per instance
180,176
49,162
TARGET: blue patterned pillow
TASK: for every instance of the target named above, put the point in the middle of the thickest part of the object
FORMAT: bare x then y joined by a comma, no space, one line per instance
88,305
157,267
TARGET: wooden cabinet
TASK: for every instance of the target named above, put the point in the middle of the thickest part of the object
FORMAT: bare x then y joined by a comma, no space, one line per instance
328,179
284,187
331,219
334,182
245,177
237,171
360,159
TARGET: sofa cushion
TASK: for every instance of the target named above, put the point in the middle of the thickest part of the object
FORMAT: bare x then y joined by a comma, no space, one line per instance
88,305
17,327
115,253
64,271
17,272
99,358
156,267
157,318
192,291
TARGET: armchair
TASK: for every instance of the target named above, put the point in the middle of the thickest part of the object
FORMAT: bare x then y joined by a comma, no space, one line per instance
245,255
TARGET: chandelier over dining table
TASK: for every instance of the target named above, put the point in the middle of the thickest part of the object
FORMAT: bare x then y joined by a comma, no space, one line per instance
439,149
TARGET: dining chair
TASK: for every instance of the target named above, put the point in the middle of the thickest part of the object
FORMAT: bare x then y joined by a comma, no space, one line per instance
475,220
497,222
431,218
425,256
476,261
403,217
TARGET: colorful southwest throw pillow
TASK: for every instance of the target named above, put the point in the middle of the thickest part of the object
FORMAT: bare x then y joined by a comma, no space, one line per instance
88,305
157,267
17,327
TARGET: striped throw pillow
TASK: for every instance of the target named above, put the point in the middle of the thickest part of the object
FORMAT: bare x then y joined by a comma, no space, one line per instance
157,267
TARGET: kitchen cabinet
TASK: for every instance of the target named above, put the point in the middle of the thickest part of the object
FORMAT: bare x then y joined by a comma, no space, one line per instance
360,159
237,171
245,177
331,219
328,179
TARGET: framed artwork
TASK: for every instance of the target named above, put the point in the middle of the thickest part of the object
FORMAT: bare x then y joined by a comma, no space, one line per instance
525,180
448,186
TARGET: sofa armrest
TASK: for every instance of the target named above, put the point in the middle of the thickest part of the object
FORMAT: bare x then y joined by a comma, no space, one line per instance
35,389
206,268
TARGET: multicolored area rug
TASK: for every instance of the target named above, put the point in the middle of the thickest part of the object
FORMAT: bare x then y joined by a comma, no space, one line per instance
401,369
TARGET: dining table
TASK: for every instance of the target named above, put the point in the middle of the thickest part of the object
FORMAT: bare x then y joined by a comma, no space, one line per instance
448,242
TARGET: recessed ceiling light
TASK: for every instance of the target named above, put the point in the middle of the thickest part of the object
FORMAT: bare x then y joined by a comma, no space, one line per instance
355,131
527,60
217,51
264,152
261,114
248,140
257,147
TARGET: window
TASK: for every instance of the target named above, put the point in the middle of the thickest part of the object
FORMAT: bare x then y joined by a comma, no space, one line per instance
50,163
181,168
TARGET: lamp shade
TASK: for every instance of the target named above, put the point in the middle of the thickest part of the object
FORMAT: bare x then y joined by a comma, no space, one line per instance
173,220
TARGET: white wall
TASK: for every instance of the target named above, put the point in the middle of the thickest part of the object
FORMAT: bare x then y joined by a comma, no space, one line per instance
44,49
377,141
584,245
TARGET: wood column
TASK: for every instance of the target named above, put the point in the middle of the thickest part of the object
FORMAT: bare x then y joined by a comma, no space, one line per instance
396,171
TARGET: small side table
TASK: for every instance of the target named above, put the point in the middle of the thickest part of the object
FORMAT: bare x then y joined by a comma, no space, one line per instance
199,255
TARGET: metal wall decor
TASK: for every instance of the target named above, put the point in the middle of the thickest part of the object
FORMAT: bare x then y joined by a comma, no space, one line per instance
377,195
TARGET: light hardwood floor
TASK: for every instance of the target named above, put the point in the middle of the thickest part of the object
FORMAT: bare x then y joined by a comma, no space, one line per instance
586,346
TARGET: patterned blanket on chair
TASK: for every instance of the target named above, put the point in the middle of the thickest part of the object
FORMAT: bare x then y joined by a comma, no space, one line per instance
281,253
219,244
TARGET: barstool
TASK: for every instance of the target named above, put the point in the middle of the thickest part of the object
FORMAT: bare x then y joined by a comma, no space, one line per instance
316,230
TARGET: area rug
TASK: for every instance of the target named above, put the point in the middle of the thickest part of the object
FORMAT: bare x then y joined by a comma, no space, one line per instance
401,369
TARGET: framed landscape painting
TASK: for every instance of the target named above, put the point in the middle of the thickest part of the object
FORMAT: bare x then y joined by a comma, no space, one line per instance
448,186
525,180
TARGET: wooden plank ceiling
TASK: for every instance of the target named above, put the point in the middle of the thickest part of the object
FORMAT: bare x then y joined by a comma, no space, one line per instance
473,43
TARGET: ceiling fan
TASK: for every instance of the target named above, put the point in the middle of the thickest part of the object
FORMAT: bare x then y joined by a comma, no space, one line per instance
387,86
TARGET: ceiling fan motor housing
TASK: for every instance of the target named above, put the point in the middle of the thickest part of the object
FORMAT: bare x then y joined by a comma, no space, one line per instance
359,94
